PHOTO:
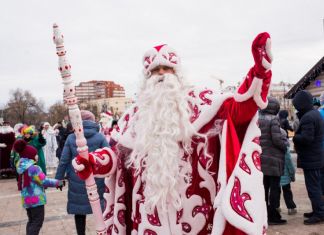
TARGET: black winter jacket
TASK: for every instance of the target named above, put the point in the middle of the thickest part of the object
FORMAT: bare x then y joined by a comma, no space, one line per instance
271,141
309,136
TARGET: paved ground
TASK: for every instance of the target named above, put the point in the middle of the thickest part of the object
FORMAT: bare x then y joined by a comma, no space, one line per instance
13,217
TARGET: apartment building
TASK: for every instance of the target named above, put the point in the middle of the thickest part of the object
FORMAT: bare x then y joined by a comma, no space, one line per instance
87,91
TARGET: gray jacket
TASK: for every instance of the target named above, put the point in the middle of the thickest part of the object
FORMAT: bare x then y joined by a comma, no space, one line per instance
271,141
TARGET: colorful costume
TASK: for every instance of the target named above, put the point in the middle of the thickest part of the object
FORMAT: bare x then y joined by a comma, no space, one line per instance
225,194
33,195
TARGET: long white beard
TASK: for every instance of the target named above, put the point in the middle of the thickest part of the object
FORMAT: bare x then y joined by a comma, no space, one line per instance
163,134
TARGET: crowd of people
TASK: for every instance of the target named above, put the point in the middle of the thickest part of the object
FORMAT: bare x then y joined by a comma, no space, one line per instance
276,162
182,159
31,154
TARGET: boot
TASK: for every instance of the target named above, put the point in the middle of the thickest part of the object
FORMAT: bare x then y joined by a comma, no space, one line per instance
308,214
277,222
274,217
313,220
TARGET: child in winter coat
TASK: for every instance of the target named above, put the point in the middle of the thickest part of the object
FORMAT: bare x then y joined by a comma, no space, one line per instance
288,177
31,182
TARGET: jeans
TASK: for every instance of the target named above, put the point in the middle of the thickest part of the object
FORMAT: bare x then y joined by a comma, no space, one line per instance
35,220
313,186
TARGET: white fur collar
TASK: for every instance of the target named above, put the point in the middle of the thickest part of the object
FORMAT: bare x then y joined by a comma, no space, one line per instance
6,129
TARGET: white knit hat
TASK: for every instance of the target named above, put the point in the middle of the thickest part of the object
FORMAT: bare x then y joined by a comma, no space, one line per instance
160,55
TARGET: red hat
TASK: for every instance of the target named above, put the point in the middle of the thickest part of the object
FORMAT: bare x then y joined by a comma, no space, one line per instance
24,150
108,113
160,55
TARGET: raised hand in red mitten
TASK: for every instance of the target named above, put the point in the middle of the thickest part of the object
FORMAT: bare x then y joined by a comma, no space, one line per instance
256,84
261,50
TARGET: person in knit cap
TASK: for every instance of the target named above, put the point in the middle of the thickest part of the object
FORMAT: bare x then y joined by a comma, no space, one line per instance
31,182
36,140
186,158
78,203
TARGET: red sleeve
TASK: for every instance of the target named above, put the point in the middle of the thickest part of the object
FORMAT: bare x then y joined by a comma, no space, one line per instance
241,113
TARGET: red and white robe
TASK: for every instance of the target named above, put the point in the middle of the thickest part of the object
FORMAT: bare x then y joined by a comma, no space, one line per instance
228,198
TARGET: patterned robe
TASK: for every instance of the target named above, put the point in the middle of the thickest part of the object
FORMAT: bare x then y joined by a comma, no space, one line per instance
225,194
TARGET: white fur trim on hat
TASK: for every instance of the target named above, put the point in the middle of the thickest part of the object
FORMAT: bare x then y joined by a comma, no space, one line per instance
160,55
106,114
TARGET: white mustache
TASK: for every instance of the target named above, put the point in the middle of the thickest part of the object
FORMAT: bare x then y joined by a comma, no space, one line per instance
157,78
168,81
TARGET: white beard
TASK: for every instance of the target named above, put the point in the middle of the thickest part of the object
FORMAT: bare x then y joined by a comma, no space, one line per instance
163,134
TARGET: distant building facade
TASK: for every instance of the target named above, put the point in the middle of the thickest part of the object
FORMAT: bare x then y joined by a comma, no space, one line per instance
278,90
87,91
115,105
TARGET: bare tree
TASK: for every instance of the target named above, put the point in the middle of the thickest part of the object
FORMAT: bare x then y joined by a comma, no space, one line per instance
24,107
90,107
57,112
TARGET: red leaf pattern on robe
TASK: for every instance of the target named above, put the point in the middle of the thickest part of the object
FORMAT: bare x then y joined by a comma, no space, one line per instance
237,200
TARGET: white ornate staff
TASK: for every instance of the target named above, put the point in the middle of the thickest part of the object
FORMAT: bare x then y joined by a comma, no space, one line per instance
74,112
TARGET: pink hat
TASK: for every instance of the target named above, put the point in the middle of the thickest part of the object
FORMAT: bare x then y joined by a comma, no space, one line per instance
160,55
87,115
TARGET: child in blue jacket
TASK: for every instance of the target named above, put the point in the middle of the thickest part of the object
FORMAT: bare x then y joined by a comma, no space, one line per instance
31,182
288,177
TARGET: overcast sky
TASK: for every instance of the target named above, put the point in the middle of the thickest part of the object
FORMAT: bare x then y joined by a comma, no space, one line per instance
105,40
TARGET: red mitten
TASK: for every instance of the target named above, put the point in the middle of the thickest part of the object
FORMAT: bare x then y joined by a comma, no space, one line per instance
257,82
83,167
105,162
261,50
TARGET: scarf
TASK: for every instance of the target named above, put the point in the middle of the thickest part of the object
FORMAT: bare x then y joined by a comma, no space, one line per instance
23,180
